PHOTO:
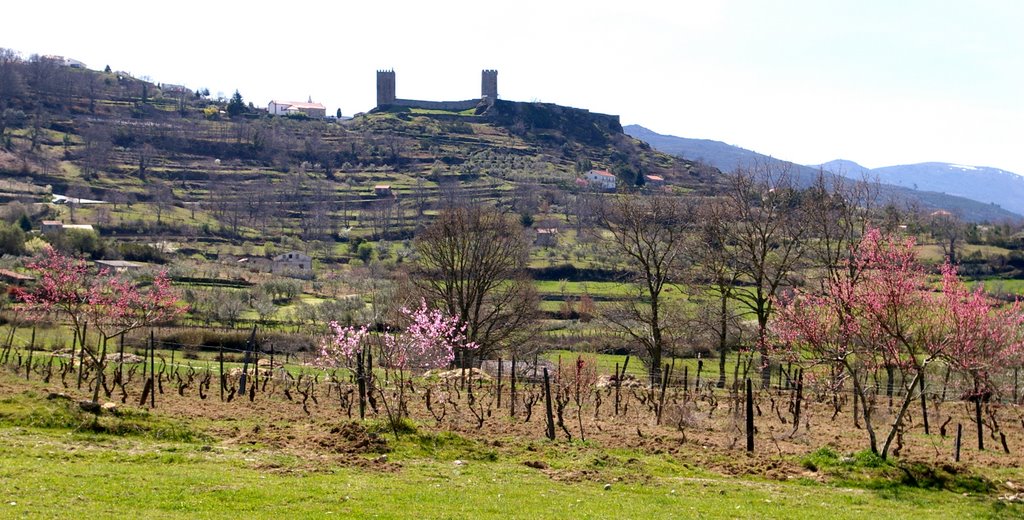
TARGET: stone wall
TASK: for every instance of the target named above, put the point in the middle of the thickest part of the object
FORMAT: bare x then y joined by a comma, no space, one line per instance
386,93
455,106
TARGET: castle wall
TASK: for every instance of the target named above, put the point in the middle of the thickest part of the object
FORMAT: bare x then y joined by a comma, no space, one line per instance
386,93
456,106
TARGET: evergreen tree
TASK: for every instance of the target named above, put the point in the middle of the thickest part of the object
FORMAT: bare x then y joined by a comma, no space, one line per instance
237,105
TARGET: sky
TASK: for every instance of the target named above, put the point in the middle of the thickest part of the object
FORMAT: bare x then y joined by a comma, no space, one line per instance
877,82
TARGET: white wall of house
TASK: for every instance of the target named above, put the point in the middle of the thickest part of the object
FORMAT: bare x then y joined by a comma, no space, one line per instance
603,180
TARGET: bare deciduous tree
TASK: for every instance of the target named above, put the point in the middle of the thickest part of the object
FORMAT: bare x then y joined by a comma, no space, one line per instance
652,235
472,261
715,267
768,237
837,211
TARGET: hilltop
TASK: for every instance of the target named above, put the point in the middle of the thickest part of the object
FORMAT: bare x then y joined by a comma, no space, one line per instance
218,174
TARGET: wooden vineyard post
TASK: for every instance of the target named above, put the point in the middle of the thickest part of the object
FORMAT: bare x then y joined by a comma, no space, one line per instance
271,376
499,382
856,400
223,380
31,349
959,435
149,390
255,371
547,406
152,370
750,416
924,406
512,389
617,386
361,383
977,421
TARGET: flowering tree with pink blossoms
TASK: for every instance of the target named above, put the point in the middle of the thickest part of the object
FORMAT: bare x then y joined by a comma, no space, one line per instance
118,305
883,313
63,287
981,337
343,346
428,340
113,304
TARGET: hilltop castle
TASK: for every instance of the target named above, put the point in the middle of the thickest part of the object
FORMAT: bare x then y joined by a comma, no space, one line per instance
386,94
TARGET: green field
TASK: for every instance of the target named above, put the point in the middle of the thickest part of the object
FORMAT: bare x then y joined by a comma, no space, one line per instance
55,468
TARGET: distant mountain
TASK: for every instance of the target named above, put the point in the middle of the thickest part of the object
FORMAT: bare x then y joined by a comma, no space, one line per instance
727,158
845,168
983,184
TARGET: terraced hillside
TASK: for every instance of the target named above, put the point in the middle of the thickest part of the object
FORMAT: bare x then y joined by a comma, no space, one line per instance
175,166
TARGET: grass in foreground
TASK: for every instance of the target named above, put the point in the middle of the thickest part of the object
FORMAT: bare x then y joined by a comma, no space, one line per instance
56,467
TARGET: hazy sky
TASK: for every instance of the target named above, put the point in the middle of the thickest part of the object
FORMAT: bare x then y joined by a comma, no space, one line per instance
878,82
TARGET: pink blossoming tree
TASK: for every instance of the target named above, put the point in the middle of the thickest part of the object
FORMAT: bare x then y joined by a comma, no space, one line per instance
882,313
113,304
428,340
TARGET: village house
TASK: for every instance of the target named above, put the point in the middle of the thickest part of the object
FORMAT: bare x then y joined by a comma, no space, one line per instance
14,278
654,181
254,264
382,190
601,179
546,237
52,226
56,226
119,266
292,262
285,108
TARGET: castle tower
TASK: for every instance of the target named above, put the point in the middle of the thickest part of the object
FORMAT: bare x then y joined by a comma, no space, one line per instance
385,87
489,86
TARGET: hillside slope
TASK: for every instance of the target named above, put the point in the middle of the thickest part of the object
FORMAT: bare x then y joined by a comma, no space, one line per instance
177,165
932,196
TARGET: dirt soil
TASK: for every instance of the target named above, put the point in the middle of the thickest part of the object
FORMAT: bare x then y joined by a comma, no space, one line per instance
698,429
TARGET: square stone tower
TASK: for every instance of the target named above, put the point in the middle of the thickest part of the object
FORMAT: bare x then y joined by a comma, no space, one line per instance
385,87
489,86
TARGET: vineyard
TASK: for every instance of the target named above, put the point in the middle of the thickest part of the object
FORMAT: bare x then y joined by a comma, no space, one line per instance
567,421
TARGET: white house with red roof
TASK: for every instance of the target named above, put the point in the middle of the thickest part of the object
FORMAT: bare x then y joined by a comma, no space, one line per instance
601,179
309,108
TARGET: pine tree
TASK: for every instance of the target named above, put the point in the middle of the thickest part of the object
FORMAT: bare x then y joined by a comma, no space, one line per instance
236,106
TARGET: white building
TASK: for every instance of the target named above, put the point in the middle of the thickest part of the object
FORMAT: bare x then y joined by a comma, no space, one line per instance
284,108
292,262
601,179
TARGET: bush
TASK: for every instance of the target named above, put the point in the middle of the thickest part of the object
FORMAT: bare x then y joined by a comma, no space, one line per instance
821,458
